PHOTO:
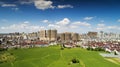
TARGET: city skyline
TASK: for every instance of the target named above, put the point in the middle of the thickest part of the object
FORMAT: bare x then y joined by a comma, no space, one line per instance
78,16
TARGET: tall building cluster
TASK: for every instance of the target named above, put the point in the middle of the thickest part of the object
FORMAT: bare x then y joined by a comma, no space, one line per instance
68,36
42,38
48,35
53,35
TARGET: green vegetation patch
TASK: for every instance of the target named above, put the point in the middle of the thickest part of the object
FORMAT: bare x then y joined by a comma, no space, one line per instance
7,58
113,60
55,57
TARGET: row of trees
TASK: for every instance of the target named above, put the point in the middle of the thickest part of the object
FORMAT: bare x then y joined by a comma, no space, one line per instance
96,49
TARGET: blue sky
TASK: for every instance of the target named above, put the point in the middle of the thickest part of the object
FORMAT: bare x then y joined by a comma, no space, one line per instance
64,15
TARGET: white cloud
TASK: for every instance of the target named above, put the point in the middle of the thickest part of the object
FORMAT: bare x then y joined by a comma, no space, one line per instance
102,21
64,6
81,23
118,20
51,25
8,5
73,26
113,27
65,21
101,25
66,25
16,9
45,21
4,20
39,4
26,1
12,6
62,26
43,4
99,28
54,26
22,27
26,22
88,18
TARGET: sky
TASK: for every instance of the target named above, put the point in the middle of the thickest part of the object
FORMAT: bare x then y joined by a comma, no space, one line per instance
78,16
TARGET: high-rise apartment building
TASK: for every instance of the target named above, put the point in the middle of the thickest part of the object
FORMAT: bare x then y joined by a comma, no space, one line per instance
42,35
48,35
75,37
67,36
53,35
62,36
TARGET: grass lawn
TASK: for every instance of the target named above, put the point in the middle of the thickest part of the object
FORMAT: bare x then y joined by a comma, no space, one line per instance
54,57
114,60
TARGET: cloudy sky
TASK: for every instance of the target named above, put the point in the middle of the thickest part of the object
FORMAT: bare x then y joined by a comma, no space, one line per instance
64,15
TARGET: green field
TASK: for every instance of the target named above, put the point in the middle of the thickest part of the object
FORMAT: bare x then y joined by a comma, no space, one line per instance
54,57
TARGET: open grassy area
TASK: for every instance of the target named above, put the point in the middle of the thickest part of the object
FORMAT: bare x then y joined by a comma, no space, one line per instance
114,60
54,57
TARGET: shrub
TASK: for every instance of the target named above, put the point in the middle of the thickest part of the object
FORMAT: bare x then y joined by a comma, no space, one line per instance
88,48
96,49
115,53
99,49
78,46
15,48
62,48
74,60
3,49
7,57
